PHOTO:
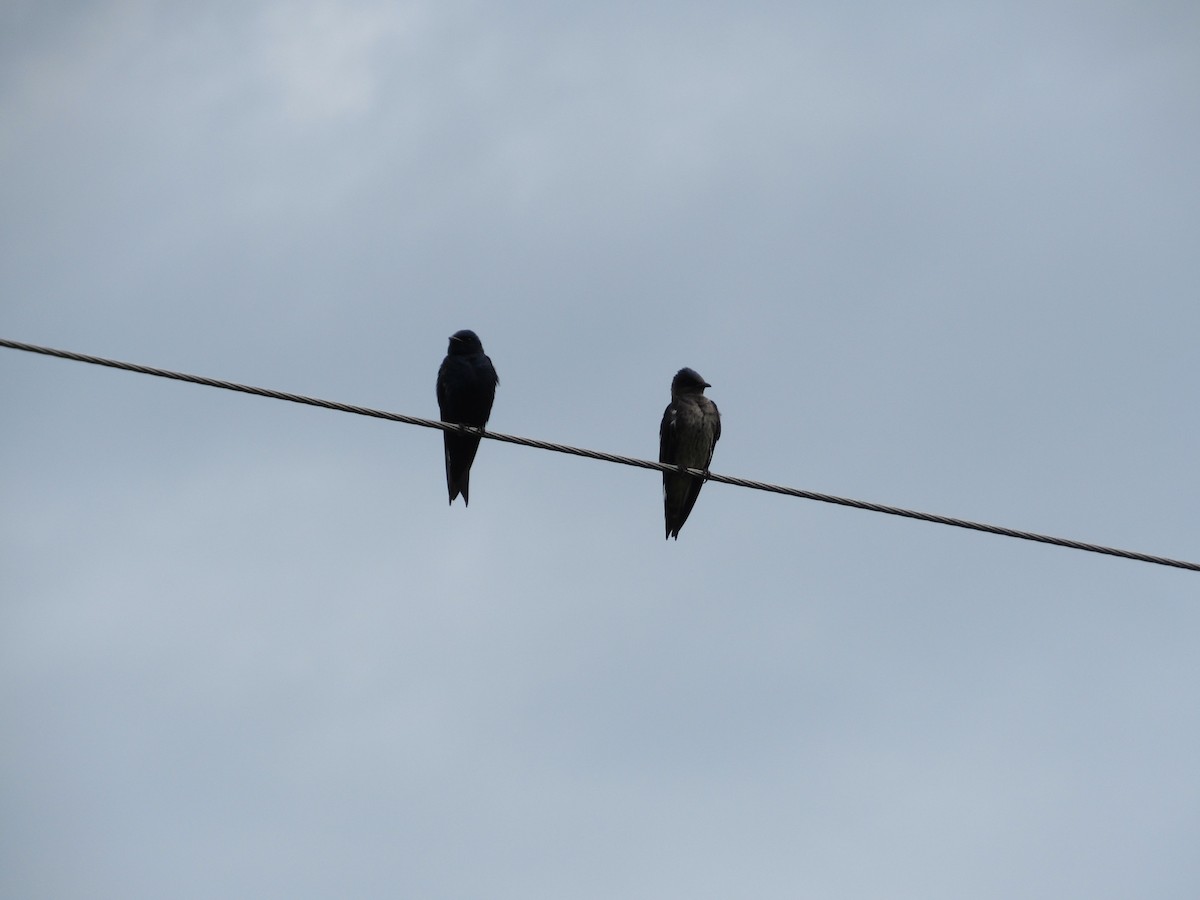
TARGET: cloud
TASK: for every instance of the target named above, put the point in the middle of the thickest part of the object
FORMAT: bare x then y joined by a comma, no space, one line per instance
324,57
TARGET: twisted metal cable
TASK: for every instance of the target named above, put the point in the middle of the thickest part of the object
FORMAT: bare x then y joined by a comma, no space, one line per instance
605,457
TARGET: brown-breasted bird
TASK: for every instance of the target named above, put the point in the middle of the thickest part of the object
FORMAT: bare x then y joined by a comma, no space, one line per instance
691,427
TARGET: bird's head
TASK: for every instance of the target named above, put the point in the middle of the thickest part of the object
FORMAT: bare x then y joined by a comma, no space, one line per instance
688,381
464,342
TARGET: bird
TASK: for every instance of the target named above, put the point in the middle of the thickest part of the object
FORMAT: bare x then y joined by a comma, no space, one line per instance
690,429
466,389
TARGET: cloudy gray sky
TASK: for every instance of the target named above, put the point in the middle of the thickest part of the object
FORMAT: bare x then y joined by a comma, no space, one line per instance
936,255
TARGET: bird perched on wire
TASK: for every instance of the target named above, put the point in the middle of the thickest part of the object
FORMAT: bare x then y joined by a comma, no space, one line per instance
690,429
466,388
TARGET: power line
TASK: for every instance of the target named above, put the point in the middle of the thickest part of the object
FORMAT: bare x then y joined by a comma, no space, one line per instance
605,457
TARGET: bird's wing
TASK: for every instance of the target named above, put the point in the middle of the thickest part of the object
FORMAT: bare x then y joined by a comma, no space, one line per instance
716,433
667,438
443,391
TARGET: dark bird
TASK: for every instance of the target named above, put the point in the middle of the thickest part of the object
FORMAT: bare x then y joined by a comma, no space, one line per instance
466,387
690,429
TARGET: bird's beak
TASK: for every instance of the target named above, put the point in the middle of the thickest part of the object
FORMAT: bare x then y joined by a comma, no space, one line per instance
706,384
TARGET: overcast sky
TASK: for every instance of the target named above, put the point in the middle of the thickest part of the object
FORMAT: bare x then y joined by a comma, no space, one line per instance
937,255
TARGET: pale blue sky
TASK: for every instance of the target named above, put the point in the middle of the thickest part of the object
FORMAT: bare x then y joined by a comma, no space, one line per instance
941,256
